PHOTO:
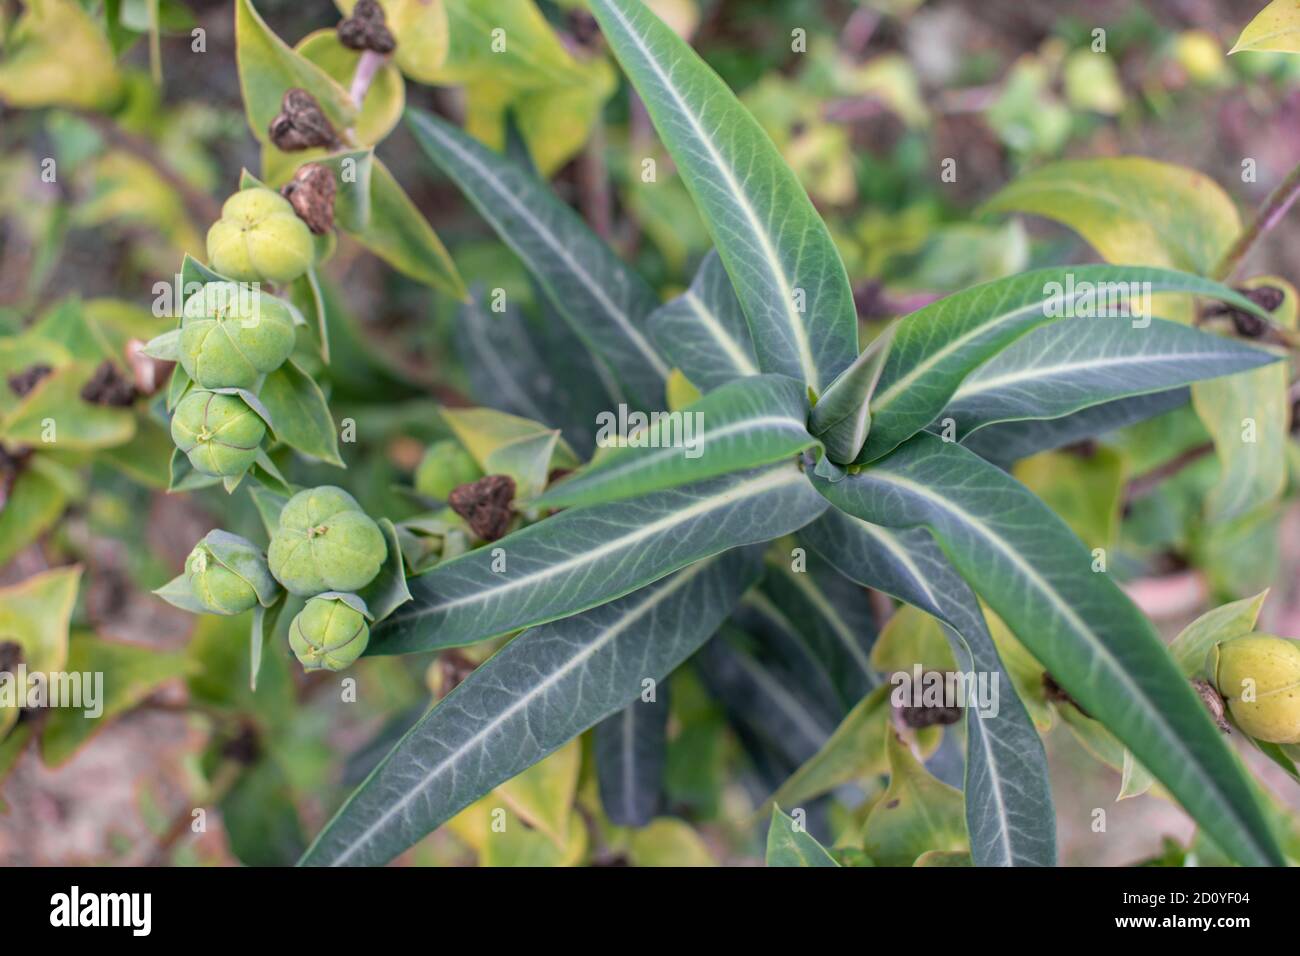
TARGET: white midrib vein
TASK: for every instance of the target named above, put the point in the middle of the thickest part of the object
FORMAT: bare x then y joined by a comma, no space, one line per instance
682,579
891,544
778,477
635,463
620,318
1115,669
711,325
738,196
979,385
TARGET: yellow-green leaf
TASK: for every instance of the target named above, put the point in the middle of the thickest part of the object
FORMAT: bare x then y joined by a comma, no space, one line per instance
35,614
55,55
421,29
268,67
1132,210
918,813
543,794
1276,28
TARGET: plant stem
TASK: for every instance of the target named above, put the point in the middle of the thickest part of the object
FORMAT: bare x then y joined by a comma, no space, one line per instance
367,66
1268,216
201,207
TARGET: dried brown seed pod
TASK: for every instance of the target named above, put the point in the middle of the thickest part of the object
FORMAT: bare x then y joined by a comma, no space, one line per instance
485,505
1213,702
366,29
311,192
1056,693
1247,324
20,383
301,124
109,387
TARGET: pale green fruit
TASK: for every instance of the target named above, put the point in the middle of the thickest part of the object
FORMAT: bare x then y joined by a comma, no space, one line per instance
219,433
444,466
231,334
259,238
328,634
219,589
1259,676
325,542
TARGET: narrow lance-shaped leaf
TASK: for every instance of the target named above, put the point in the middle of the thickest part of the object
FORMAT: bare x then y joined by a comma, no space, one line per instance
631,751
584,557
833,616
542,690
760,697
703,330
1036,575
842,417
936,348
1275,28
1009,811
1006,442
745,423
1077,363
784,266
604,301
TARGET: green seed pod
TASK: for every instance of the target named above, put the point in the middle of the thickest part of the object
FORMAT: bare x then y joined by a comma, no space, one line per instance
325,542
228,574
219,433
444,466
259,238
231,334
328,634
1259,676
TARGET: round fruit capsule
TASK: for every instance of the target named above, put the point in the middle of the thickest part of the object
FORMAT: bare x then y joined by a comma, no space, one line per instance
259,238
325,542
231,333
219,433
1259,676
328,634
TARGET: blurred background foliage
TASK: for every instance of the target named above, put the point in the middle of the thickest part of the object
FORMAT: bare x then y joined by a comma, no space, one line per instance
142,120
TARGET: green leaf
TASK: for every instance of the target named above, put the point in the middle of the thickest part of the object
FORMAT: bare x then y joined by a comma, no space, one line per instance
54,415
1275,28
1131,209
631,748
263,625
604,301
34,504
1193,643
124,675
300,416
743,424
543,794
57,55
397,232
1009,812
503,444
1247,416
1006,442
388,591
703,330
583,557
668,841
762,694
832,616
790,844
543,689
854,751
936,348
268,68
1036,575
35,614
916,815
785,268
842,417
260,818
1077,363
